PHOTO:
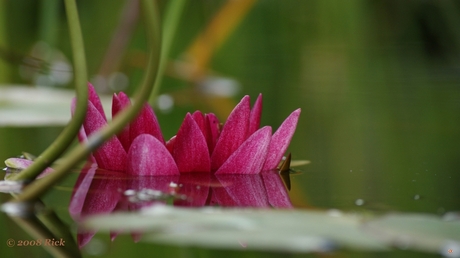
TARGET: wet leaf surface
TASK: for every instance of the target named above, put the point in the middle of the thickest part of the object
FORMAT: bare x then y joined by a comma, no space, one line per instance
27,106
285,230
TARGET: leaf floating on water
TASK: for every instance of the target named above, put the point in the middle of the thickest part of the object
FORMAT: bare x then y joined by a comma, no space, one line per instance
300,231
298,163
28,106
422,232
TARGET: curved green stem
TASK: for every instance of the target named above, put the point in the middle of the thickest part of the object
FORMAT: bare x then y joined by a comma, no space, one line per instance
66,137
171,21
39,187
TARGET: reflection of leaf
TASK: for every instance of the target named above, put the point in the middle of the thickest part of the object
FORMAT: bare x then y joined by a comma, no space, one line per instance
277,230
418,231
26,106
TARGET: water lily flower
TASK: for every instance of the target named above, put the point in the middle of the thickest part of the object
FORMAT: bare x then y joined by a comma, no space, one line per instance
200,145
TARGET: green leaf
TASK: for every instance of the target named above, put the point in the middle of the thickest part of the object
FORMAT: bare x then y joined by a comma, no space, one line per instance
275,230
40,106
422,232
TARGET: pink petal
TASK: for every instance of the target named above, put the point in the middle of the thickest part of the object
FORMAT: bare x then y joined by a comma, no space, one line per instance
277,194
148,156
19,163
219,196
81,133
136,236
170,144
146,123
256,113
83,238
103,194
213,126
250,156
120,102
200,121
233,133
280,140
190,149
102,198
111,154
94,98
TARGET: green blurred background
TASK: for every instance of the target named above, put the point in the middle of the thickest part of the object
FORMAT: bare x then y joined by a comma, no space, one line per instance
377,81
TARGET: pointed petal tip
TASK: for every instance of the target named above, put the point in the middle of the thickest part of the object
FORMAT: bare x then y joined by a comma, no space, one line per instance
281,140
250,156
233,134
190,150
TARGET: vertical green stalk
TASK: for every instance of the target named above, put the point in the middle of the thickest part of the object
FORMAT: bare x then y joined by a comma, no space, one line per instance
170,23
4,68
71,130
39,187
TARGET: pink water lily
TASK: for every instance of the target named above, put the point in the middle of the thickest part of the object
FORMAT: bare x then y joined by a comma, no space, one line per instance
200,145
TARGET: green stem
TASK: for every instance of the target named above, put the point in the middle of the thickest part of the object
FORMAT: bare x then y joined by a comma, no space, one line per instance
39,187
170,24
39,232
63,141
59,229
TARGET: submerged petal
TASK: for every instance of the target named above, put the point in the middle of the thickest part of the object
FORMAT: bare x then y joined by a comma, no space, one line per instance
146,123
111,154
190,148
277,194
245,190
280,140
250,156
148,156
80,190
196,187
233,133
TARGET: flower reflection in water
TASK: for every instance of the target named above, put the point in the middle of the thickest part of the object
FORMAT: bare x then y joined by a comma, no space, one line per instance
99,191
